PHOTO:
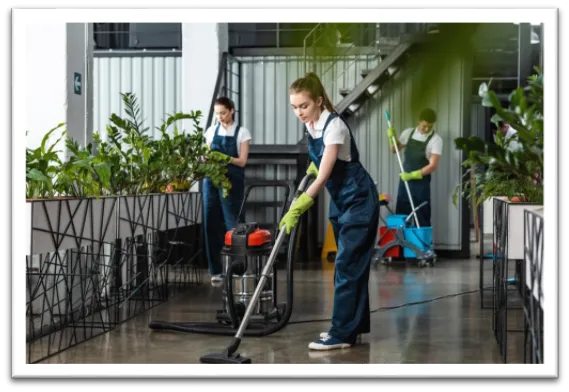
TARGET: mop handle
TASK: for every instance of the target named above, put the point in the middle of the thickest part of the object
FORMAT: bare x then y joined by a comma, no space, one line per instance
402,170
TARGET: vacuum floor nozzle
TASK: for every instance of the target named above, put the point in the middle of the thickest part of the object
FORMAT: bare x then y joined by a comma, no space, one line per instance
223,358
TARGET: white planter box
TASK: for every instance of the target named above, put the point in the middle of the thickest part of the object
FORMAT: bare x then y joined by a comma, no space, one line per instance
184,209
515,227
488,214
69,223
141,214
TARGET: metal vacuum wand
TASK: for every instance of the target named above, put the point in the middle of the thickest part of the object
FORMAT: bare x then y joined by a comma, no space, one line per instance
269,265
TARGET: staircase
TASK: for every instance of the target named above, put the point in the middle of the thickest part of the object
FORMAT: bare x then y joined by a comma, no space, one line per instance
373,80
390,48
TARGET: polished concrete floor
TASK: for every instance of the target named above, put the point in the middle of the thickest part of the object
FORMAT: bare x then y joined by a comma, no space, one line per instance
453,329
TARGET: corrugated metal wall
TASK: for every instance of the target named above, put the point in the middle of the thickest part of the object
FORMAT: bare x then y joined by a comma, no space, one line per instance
479,120
265,100
156,81
266,112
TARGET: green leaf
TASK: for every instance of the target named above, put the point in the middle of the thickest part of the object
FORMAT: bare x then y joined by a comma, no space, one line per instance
36,175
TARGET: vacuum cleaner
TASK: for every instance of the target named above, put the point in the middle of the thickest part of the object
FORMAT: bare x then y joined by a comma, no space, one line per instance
250,306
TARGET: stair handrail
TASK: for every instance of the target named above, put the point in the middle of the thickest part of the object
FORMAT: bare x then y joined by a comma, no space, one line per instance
312,33
336,57
375,42
349,65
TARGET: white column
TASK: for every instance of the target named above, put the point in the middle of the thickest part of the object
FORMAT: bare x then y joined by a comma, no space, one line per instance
55,52
46,96
80,82
202,47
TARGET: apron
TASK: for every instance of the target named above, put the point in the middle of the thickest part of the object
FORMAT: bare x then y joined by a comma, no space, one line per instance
415,159
354,215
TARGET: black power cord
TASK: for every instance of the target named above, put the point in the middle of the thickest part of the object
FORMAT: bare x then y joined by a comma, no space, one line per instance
396,306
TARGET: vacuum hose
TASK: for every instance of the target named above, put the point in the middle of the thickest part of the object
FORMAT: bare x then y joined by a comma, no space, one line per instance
253,329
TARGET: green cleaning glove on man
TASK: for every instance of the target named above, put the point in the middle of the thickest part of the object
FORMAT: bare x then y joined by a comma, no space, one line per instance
414,175
391,134
299,207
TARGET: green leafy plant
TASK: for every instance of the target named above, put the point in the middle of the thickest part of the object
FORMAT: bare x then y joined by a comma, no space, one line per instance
82,175
129,162
499,169
186,159
42,166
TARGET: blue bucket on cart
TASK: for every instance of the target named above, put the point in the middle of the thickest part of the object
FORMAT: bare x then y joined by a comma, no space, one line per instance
396,221
421,237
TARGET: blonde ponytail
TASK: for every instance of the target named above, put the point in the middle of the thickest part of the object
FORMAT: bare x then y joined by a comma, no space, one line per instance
311,83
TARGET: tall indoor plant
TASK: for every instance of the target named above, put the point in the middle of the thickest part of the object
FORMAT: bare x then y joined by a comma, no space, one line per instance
500,170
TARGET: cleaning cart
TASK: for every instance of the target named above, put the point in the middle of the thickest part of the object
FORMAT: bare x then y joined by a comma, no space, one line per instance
398,239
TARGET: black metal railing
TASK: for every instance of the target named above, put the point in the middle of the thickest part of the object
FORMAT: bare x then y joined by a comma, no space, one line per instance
338,40
267,35
533,289
95,263
483,258
137,36
508,285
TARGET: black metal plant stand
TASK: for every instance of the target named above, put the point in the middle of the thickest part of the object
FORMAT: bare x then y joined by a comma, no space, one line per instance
503,284
95,263
533,289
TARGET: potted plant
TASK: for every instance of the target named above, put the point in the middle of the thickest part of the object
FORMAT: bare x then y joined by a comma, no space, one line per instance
512,174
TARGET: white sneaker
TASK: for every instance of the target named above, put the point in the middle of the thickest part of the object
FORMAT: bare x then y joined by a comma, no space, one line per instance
324,335
328,343
217,278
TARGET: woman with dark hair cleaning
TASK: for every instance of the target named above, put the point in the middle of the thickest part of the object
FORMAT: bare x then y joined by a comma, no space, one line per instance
354,209
231,143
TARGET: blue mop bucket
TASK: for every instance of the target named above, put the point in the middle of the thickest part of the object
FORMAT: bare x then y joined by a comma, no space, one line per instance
421,237
396,221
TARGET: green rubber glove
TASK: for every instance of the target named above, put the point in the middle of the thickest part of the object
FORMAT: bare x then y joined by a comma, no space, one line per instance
312,169
300,206
218,156
415,175
390,134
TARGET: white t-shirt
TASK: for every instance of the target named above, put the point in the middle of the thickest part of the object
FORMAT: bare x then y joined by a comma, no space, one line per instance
336,133
513,145
243,136
435,145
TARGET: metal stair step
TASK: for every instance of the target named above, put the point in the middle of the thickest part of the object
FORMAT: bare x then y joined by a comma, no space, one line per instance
365,72
373,80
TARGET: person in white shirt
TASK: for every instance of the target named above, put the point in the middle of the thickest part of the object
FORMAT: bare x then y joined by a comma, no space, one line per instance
231,143
422,149
354,209
509,133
